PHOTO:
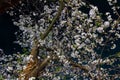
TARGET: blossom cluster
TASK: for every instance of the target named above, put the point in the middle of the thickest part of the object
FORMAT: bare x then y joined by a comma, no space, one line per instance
11,65
83,38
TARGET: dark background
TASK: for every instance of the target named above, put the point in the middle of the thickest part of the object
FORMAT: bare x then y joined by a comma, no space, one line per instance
7,36
7,29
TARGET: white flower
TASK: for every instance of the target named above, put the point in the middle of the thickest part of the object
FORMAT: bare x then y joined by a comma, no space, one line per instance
83,35
32,78
106,60
97,61
76,36
109,0
73,55
118,28
114,1
48,56
109,18
74,13
100,29
24,67
100,40
1,51
77,42
9,68
95,8
106,24
107,13
87,41
118,35
113,47
92,13
81,46
63,22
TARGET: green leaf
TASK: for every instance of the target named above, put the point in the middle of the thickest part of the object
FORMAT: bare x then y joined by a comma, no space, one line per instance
118,54
58,68
97,24
1,77
25,51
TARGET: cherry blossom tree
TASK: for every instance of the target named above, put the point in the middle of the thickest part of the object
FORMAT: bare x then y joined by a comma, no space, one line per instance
65,43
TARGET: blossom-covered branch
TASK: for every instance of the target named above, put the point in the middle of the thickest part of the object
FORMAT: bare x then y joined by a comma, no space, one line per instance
43,35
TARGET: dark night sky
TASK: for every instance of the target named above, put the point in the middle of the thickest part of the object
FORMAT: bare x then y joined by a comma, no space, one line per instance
7,29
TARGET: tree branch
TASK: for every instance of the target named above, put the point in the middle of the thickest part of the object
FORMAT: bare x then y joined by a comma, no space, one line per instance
44,35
